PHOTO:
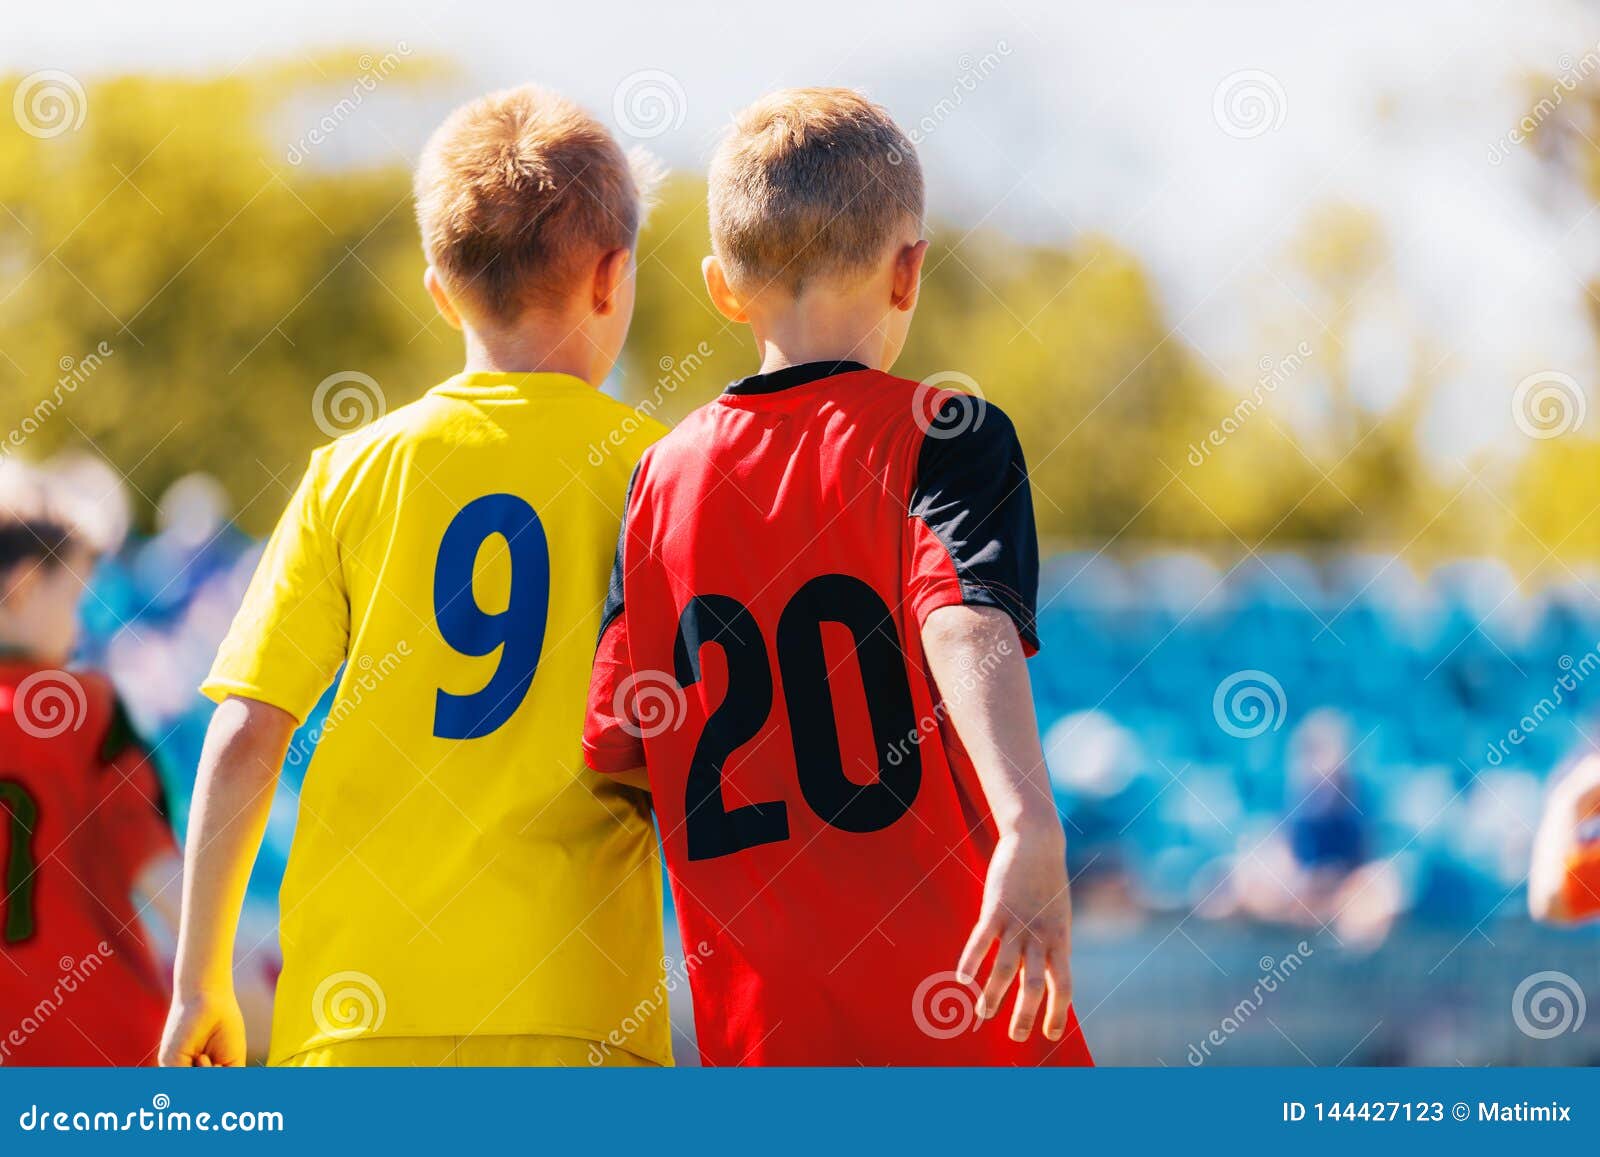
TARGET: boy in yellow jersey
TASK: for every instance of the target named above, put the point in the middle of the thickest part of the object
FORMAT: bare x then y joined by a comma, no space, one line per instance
461,890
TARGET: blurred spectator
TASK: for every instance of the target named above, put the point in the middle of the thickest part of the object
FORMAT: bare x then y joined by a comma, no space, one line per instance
1315,867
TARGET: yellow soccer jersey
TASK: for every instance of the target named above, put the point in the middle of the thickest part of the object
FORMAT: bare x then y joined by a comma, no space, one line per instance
456,871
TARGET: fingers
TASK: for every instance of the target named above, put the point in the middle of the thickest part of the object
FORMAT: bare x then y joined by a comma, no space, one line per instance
1045,970
1058,976
172,1054
978,944
189,1047
1030,992
222,1050
172,1058
1006,962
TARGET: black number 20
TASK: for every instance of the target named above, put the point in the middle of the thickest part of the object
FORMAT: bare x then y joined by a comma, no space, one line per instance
713,830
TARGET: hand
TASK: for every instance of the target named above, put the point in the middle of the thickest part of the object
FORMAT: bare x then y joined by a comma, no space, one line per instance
1576,796
204,1032
1027,908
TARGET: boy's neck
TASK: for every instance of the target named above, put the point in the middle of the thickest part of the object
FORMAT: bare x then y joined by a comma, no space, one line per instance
814,331
530,350
775,356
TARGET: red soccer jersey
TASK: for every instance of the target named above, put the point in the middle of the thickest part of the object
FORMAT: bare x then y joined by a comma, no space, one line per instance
826,838
79,818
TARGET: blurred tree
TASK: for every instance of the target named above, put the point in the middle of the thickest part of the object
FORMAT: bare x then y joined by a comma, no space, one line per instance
1552,506
230,256
225,281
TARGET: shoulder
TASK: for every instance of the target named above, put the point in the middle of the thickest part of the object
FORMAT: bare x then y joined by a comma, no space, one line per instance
358,461
688,436
942,407
963,415
641,415
961,430
83,704
627,431
408,423
116,734
969,458
957,418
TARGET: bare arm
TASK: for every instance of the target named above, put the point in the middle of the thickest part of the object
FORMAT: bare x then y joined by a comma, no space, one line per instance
239,767
1572,800
976,659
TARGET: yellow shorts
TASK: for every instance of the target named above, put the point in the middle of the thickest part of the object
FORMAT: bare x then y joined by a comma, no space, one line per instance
465,1052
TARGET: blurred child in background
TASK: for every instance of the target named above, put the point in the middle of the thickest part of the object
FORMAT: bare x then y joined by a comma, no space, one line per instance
1318,866
85,849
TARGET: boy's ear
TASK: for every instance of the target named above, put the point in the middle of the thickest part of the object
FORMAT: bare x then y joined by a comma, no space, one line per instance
434,284
721,293
609,275
907,275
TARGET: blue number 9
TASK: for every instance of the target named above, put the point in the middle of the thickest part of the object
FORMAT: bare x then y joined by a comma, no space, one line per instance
517,631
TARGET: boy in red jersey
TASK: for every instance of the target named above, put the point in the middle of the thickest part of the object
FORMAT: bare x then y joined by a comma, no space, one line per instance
83,843
814,642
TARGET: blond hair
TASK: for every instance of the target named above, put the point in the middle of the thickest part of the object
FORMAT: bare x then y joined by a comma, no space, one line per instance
516,193
811,182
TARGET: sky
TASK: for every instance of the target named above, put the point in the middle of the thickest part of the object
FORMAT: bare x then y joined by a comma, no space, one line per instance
1205,138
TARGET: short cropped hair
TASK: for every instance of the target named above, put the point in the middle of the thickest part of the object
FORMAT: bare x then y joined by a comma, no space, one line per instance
811,182
516,192
35,526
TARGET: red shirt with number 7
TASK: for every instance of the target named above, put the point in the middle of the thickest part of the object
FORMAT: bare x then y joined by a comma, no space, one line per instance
80,818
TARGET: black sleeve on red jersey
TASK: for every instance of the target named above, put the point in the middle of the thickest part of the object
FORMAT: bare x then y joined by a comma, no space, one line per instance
122,738
612,740
613,604
971,490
